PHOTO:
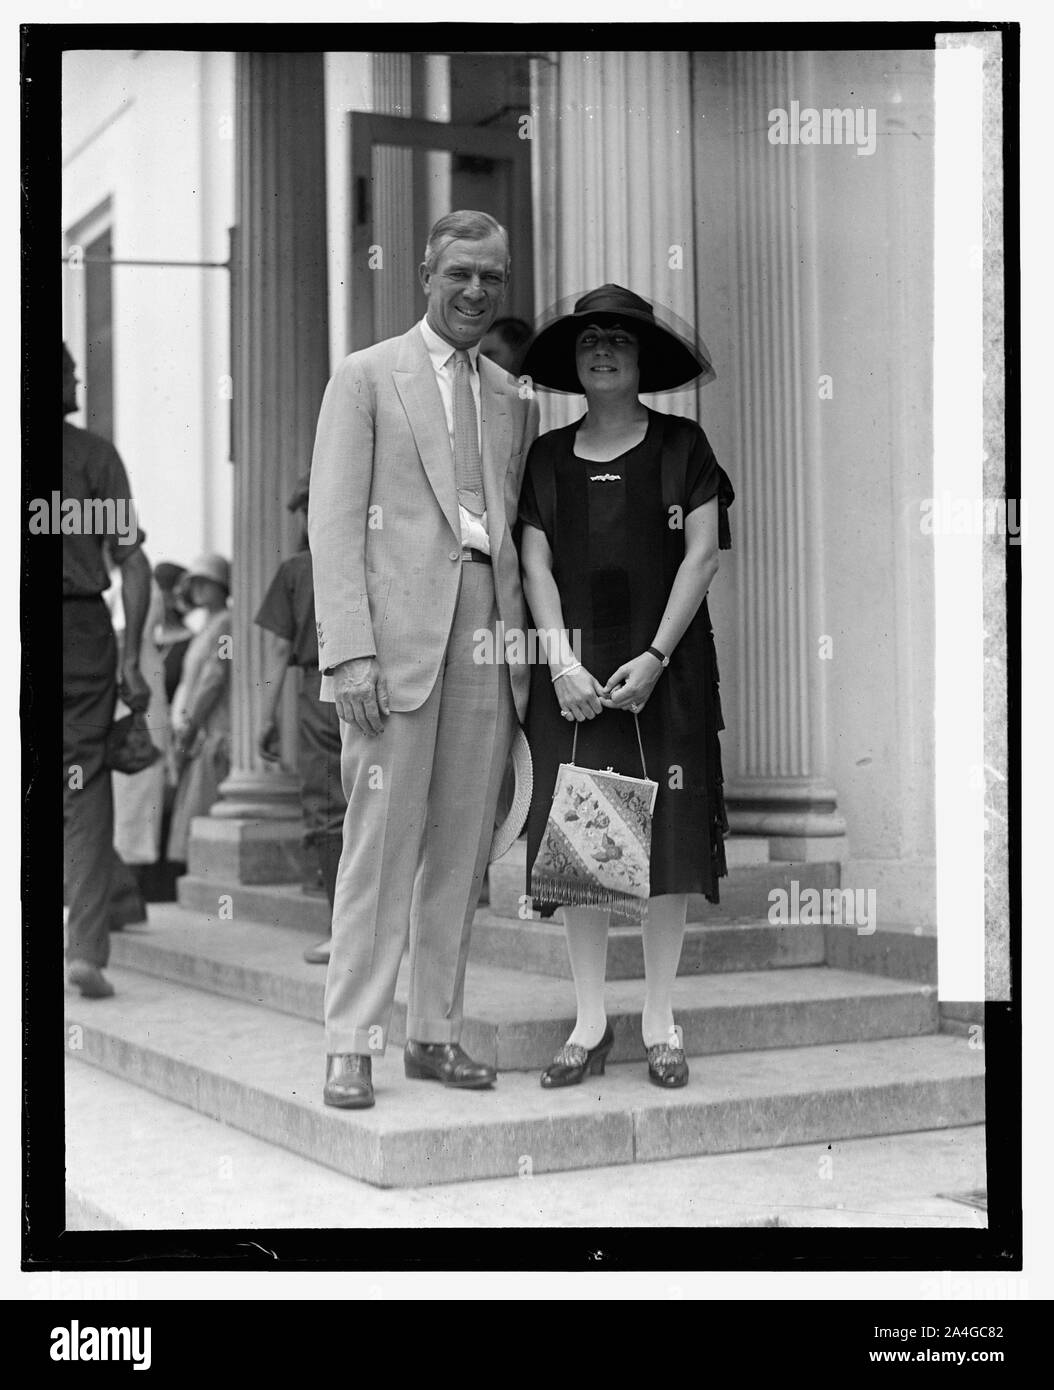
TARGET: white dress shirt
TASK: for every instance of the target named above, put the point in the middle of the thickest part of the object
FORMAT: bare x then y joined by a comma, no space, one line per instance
473,528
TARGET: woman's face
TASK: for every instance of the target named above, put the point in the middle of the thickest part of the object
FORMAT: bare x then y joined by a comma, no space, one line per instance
606,359
176,604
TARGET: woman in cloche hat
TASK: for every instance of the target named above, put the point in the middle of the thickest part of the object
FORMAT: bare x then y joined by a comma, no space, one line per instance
201,708
624,512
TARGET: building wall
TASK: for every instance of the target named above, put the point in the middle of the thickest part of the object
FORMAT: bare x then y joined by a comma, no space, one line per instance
153,133
872,243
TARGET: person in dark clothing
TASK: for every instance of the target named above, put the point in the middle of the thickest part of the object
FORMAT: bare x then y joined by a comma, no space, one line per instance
172,634
288,613
624,512
95,491
507,342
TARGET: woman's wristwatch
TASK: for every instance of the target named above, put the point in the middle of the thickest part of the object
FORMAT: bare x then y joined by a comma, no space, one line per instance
654,651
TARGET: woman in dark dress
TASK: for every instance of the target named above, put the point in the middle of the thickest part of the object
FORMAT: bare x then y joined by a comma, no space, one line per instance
623,514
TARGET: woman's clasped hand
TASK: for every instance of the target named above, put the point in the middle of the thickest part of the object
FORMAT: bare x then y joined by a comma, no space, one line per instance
582,696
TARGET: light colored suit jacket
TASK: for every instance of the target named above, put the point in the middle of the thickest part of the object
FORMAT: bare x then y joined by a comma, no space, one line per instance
383,517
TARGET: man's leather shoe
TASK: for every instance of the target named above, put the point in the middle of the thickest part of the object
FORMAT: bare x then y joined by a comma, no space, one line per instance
448,1063
89,979
319,955
349,1081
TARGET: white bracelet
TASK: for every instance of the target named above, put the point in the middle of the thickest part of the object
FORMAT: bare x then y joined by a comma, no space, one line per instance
575,666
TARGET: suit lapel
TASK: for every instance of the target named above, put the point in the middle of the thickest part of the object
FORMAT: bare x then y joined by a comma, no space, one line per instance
415,382
497,437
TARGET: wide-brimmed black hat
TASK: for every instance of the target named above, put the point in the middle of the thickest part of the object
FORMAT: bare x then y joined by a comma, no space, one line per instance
667,360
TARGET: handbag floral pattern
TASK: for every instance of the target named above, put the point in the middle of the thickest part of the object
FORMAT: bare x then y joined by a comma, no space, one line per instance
597,843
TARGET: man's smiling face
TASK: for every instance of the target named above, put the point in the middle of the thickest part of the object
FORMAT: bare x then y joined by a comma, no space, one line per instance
466,288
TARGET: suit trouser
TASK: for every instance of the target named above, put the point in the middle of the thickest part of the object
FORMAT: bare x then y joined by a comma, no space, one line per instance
417,833
322,802
89,694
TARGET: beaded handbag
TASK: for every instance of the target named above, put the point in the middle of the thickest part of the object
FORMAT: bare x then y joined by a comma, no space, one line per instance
596,848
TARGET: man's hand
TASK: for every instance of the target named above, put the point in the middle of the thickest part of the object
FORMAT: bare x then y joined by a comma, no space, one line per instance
132,687
184,737
361,694
630,686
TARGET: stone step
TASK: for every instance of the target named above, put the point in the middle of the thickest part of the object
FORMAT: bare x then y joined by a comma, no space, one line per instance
274,904
902,951
535,944
135,1161
719,941
262,1072
517,1020
709,947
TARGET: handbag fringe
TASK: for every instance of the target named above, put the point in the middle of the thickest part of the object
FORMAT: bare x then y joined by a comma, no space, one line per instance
548,888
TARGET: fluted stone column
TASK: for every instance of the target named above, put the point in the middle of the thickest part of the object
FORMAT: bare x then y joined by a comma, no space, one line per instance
778,788
395,292
612,175
281,364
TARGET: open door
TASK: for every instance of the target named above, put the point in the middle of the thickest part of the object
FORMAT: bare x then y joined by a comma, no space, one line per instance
405,173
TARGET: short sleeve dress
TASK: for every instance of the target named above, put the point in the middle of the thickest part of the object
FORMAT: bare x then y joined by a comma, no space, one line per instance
617,538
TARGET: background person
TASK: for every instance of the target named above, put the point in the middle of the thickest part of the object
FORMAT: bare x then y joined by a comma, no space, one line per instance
138,798
507,344
171,634
288,615
91,679
202,704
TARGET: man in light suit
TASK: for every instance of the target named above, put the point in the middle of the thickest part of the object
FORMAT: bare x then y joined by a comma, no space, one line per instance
415,483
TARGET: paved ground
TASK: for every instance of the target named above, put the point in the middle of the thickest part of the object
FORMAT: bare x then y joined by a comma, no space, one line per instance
136,1161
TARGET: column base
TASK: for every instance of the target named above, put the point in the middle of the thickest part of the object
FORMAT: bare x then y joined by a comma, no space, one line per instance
810,849
741,850
799,816
230,850
251,795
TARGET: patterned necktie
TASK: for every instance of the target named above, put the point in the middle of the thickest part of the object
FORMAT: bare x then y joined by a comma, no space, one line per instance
467,467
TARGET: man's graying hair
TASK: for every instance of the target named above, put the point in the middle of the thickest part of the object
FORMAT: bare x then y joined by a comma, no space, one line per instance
463,226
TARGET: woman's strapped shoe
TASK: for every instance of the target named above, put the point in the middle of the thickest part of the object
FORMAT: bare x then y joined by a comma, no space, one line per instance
349,1081
572,1062
667,1066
